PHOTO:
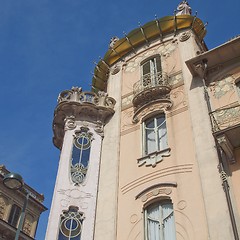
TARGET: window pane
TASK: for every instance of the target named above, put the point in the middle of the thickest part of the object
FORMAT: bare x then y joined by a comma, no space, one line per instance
168,222
146,68
162,136
151,141
153,216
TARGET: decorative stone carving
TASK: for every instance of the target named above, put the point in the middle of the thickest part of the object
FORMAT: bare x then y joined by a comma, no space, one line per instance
115,69
76,194
154,106
227,148
99,128
2,206
113,41
185,36
220,88
199,67
155,192
80,106
225,117
70,123
184,9
182,204
153,158
27,226
134,218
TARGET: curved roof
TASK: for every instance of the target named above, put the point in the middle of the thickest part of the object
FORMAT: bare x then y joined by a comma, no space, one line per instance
152,30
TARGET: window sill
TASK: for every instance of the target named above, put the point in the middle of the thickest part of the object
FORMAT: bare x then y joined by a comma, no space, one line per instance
152,159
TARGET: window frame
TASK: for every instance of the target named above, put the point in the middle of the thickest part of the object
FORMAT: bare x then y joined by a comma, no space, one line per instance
155,67
12,215
159,203
157,138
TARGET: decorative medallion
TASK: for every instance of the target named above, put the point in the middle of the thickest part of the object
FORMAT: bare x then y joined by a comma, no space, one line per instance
185,36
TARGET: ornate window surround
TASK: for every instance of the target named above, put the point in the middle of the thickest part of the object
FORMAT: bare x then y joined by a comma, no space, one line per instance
162,211
153,157
73,217
78,170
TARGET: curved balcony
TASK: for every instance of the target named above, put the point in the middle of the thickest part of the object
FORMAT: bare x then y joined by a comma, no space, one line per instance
76,105
150,88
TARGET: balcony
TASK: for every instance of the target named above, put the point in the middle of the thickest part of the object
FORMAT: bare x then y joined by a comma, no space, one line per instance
152,87
76,105
226,127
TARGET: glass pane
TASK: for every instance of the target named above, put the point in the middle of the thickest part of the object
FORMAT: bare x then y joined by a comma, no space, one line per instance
162,136
146,68
151,142
153,216
168,222
150,124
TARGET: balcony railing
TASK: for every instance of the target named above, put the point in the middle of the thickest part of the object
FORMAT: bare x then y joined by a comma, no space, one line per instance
225,118
152,87
149,81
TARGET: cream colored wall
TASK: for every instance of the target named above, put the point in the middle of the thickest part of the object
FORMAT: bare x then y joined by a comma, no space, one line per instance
180,167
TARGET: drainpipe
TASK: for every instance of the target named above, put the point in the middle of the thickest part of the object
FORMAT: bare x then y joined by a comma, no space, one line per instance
220,157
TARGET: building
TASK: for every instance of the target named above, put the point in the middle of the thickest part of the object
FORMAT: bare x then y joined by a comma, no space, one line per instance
153,151
11,203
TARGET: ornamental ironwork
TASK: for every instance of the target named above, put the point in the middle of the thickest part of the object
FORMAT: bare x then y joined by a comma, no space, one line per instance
225,118
150,88
80,155
71,224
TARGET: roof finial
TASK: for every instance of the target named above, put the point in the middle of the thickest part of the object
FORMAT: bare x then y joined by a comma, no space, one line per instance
184,9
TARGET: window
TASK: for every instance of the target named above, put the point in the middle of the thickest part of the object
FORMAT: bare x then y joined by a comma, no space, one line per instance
151,71
14,215
159,221
155,134
80,155
71,224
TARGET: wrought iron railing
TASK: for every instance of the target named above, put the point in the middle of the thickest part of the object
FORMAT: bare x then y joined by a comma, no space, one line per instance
149,81
225,118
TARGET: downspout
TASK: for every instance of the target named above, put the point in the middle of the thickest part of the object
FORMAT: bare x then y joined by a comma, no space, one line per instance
219,153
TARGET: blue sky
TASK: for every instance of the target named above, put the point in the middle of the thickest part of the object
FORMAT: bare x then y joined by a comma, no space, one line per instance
47,46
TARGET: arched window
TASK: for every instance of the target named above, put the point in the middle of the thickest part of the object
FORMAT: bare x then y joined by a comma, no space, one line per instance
159,221
71,224
155,134
80,155
151,71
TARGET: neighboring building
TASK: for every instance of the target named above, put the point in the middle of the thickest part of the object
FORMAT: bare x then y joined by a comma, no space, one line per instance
11,203
153,152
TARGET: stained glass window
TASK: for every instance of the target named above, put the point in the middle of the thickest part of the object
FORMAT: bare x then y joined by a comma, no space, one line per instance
71,224
80,155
